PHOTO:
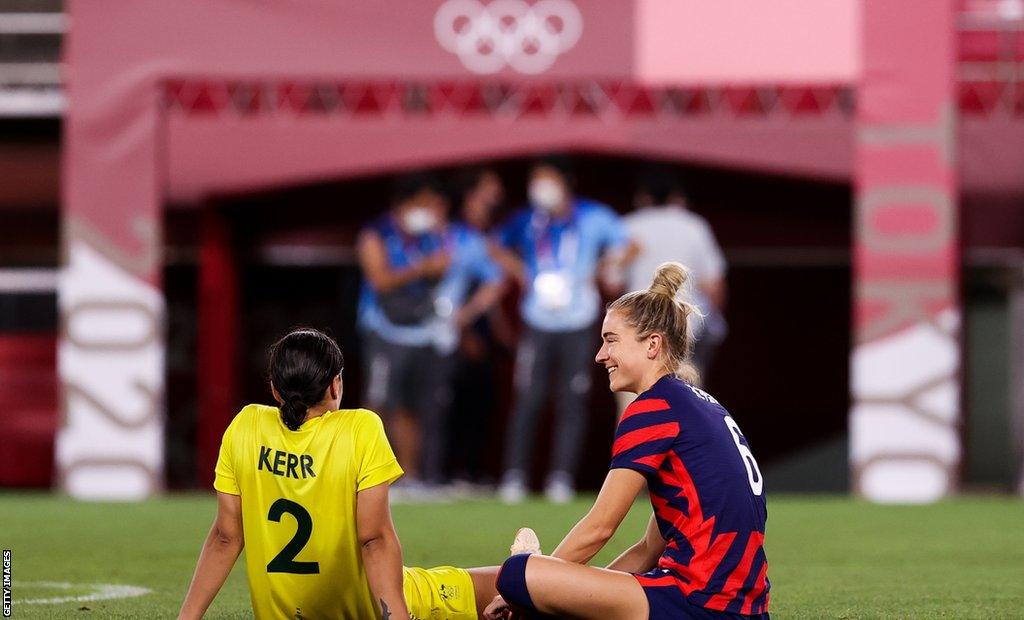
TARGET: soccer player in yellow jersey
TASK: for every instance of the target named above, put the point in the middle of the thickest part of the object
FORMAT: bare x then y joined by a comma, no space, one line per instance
304,488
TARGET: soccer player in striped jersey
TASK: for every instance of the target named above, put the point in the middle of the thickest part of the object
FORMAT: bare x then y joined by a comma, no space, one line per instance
304,488
702,554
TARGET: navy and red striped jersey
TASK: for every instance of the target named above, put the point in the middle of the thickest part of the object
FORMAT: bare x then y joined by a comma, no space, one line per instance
707,493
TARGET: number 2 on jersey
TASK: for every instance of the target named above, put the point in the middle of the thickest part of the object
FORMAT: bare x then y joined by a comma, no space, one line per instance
753,472
284,562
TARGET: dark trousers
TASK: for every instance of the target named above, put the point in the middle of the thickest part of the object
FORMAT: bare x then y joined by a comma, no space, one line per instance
473,408
558,361
418,380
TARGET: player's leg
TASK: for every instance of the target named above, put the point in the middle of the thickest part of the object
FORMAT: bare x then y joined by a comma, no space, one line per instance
552,586
533,364
449,593
484,588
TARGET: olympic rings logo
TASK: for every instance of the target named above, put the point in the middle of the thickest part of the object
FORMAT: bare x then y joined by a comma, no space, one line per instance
526,37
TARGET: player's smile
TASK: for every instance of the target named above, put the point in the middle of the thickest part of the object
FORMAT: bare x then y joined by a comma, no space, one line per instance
611,376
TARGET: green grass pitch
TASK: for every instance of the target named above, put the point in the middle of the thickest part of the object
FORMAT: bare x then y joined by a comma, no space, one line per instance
829,557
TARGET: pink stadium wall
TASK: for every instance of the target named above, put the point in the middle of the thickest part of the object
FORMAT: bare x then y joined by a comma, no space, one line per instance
128,149
796,41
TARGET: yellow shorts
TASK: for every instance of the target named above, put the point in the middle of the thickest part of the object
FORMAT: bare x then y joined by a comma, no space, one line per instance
441,593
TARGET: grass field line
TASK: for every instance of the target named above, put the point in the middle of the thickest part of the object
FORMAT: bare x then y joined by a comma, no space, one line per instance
102,592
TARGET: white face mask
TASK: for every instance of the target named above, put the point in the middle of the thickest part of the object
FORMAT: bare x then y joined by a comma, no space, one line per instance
418,221
546,194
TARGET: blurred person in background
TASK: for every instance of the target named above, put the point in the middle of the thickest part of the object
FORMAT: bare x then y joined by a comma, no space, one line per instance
480,193
665,230
554,248
418,270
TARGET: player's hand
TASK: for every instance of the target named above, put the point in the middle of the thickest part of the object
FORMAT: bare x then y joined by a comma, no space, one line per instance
498,610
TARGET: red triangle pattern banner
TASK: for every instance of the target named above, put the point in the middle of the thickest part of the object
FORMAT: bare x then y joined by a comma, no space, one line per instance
606,100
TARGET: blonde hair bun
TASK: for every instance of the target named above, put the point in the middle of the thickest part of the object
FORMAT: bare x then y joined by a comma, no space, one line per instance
669,279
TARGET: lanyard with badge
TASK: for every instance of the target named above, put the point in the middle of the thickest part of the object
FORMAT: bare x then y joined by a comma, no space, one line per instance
444,335
556,261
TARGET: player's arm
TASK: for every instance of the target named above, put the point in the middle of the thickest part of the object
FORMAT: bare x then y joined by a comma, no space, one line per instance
589,536
642,556
373,260
221,549
382,553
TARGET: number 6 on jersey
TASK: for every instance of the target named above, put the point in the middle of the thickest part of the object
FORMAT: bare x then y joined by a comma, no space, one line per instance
753,473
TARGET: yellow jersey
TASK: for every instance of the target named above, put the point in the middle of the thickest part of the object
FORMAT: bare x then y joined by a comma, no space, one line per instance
298,491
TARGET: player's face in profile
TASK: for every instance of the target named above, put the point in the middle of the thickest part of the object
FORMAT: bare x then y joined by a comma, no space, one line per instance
621,354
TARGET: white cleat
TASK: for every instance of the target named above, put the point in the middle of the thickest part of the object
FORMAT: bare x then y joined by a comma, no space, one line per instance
526,541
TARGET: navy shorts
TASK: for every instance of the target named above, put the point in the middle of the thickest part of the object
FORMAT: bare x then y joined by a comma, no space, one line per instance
667,602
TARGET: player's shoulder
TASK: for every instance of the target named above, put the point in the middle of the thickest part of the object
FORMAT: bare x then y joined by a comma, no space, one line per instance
356,419
249,420
255,412
682,396
700,396
360,414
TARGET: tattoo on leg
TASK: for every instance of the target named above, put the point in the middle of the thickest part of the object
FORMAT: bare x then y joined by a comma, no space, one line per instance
385,613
